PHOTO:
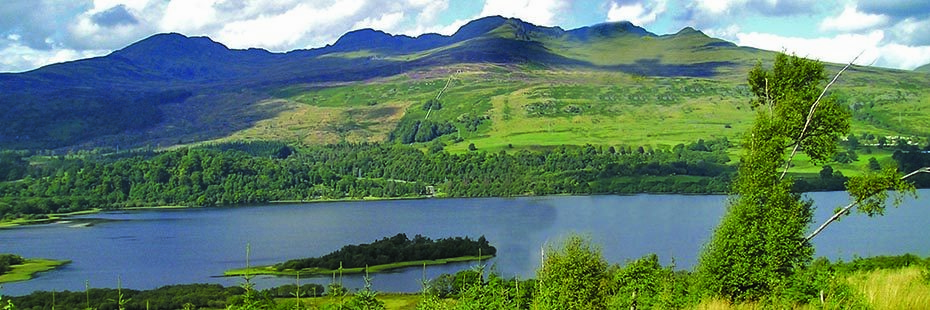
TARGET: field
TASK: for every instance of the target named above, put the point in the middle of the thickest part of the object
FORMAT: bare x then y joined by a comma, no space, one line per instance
505,107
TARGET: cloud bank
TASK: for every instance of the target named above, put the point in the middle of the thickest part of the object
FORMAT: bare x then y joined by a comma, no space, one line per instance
33,33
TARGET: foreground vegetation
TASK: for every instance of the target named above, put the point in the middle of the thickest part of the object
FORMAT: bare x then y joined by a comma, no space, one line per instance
573,273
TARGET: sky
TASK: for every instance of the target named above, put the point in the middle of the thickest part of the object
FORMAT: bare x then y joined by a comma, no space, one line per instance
887,33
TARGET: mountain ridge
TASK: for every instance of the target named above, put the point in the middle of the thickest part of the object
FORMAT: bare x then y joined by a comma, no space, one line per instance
169,88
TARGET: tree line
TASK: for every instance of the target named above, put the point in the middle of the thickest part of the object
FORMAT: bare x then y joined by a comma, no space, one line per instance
227,175
241,173
395,249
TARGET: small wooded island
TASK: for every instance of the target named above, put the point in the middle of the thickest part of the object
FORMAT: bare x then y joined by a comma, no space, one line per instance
385,254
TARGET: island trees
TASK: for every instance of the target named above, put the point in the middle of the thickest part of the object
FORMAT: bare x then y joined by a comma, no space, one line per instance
761,244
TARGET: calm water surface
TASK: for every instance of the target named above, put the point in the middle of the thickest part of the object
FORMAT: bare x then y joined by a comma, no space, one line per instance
149,249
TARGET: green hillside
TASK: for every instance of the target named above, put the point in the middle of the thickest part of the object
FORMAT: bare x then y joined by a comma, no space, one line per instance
924,68
497,106
500,83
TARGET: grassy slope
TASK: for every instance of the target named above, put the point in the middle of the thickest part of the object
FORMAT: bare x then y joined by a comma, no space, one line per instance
531,106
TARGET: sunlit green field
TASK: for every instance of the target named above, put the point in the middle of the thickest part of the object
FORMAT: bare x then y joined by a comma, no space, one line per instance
506,107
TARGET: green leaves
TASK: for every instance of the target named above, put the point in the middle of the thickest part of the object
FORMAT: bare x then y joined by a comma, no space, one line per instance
572,276
760,242
871,190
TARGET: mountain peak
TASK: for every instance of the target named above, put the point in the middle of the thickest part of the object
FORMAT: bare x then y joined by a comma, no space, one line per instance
171,46
612,29
689,31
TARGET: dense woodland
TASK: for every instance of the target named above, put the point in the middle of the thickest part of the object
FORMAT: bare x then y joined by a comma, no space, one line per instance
225,175
395,249
241,173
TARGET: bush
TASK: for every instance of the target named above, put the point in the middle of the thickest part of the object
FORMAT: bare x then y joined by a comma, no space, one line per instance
644,283
572,276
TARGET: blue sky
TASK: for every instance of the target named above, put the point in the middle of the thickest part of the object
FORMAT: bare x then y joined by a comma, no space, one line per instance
33,33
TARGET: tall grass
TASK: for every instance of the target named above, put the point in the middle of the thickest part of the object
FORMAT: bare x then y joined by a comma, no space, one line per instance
902,288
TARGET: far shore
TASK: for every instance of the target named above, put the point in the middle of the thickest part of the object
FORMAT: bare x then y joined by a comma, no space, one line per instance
271,270
56,217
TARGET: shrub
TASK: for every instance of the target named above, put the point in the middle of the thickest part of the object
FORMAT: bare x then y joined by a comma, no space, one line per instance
572,276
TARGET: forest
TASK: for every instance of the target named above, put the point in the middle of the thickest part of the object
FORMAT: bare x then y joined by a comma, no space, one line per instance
395,249
227,175
260,172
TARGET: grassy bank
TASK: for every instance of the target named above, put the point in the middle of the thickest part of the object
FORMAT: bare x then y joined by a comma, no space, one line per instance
903,288
271,270
30,268
48,219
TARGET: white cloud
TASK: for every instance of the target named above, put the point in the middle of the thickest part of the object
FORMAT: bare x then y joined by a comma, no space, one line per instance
903,56
851,20
843,48
717,7
636,13
102,5
387,22
540,12
429,10
285,30
188,16
728,33
18,58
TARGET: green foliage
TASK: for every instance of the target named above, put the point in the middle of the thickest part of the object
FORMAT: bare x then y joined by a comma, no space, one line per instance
572,276
432,104
9,260
788,91
866,264
472,290
644,283
208,177
12,166
366,298
759,245
411,131
874,165
871,190
821,284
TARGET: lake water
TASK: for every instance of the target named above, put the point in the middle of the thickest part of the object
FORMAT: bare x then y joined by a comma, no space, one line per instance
149,249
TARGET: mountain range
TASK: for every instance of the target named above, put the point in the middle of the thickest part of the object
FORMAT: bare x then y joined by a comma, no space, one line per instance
172,89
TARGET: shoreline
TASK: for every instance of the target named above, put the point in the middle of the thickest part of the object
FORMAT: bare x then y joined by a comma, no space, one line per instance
271,270
31,268
50,218
55,217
